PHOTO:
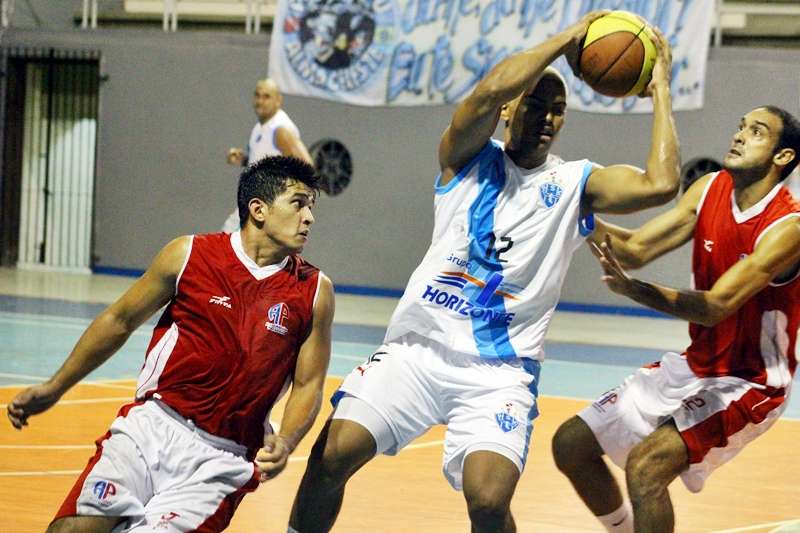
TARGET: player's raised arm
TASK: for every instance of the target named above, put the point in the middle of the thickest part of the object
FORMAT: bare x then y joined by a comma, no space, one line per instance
107,333
635,248
475,118
624,188
776,255
308,382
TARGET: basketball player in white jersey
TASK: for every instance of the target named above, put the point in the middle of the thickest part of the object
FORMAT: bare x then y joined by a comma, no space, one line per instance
464,345
273,134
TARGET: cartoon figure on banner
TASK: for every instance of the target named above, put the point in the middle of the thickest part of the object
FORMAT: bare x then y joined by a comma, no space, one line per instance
337,32
335,44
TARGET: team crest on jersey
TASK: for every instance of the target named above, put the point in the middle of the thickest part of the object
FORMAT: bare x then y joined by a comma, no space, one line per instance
507,418
550,193
277,316
104,491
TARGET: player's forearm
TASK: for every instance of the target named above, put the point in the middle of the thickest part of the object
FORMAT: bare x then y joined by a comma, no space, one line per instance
513,75
301,411
663,161
692,306
99,342
621,241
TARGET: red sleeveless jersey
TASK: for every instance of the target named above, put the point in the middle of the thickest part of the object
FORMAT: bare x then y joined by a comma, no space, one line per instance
758,342
225,348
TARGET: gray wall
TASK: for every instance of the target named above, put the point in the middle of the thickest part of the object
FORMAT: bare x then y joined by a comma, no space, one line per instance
174,103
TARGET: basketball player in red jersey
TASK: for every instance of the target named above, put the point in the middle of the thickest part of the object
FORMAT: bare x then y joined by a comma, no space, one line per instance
689,413
245,317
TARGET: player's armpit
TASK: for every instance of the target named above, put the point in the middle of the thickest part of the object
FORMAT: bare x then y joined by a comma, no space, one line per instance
156,286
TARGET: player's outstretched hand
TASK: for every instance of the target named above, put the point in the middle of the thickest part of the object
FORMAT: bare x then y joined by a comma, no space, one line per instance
272,458
578,34
32,401
614,275
662,70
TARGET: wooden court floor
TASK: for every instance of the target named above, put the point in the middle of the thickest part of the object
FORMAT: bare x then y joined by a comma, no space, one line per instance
757,492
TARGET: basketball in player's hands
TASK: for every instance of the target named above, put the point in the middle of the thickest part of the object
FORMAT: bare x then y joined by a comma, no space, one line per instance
618,54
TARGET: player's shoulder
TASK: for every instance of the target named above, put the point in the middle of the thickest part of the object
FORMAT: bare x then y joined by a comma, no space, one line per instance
302,269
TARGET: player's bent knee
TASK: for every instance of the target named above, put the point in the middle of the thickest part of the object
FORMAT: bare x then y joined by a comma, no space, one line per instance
486,505
642,478
574,444
345,449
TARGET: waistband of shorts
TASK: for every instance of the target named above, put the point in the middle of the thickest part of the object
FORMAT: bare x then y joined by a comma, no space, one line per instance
209,438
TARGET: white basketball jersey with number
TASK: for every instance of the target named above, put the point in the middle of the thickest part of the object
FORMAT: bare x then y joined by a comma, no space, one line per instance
262,138
503,239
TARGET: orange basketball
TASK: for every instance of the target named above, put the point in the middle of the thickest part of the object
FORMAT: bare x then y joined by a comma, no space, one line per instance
618,55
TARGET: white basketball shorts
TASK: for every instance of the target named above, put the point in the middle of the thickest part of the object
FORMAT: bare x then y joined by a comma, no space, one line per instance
716,417
415,383
162,475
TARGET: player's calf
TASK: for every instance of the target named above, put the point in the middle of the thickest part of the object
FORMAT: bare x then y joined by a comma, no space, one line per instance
84,524
651,466
340,450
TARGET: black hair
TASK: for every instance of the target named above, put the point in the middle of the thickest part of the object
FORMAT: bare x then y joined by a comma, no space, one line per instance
790,136
268,178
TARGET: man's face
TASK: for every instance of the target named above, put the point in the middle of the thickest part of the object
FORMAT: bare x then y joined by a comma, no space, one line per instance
753,145
266,100
537,116
288,220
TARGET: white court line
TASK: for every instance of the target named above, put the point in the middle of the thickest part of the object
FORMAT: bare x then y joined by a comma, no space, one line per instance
43,473
756,526
88,400
75,472
47,447
78,326
22,376
104,383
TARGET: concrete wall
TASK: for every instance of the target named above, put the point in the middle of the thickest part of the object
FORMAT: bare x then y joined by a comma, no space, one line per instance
174,103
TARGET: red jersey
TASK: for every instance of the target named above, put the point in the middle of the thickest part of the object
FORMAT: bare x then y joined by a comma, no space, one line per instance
758,342
226,346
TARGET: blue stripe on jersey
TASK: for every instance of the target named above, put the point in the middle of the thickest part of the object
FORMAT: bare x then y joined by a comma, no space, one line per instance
486,152
491,336
586,223
533,367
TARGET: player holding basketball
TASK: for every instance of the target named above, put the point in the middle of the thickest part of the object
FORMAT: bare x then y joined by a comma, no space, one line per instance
465,343
689,413
246,316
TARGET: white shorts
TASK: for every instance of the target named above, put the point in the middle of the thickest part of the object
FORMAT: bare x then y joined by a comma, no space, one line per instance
159,472
716,417
415,383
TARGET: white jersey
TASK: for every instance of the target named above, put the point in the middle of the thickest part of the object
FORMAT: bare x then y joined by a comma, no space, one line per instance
503,239
262,138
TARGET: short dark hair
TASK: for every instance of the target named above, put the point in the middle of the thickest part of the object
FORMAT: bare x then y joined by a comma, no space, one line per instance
790,136
268,178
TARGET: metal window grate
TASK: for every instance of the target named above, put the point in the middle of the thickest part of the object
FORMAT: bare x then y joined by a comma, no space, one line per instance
56,159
